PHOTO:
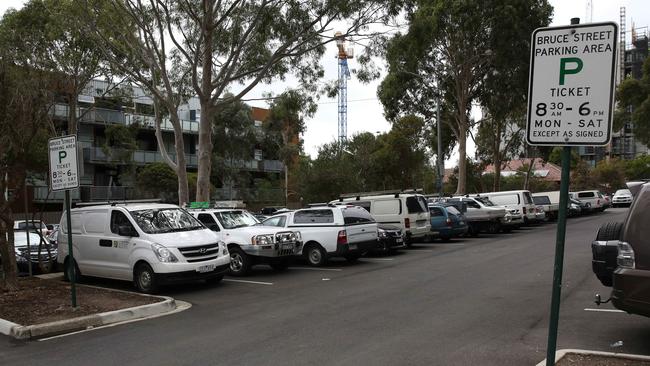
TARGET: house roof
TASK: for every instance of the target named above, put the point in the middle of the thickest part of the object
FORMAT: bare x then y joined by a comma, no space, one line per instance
545,170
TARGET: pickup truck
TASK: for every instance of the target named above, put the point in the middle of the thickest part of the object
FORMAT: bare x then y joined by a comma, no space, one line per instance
551,209
483,215
248,243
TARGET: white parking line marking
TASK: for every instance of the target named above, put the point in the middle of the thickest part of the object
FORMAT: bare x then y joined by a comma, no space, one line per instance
378,259
605,310
245,281
317,269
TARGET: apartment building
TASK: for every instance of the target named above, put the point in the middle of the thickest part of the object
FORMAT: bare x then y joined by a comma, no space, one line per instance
103,104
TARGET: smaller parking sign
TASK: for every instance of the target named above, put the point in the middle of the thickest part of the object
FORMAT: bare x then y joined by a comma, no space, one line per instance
64,171
571,90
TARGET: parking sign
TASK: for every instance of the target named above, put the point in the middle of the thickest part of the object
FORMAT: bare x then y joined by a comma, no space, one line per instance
64,172
571,85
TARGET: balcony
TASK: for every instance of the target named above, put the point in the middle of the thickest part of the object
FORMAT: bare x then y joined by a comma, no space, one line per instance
271,166
42,194
97,155
108,116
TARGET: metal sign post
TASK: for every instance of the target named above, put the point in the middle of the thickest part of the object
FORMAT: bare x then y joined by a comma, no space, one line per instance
570,103
64,175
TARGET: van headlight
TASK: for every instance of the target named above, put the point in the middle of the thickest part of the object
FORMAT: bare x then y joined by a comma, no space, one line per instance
625,258
164,255
224,248
262,239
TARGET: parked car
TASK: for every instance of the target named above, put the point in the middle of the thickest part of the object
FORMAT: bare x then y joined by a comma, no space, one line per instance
621,256
25,257
330,231
593,197
574,208
446,221
483,215
544,201
248,242
540,214
408,211
389,238
520,201
19,225
622,197
151,244
585,207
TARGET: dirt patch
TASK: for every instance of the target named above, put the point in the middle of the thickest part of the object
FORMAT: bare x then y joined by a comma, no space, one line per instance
40,301
572,359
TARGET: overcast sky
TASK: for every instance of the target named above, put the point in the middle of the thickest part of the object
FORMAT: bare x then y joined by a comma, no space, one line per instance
365,113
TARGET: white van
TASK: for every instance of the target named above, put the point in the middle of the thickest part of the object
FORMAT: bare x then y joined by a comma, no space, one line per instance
408,211
150,244
520,201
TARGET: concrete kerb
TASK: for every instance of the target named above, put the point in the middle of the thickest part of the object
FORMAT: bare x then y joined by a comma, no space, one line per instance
624,356
167,305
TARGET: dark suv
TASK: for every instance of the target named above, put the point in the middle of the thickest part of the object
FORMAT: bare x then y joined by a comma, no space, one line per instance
621,255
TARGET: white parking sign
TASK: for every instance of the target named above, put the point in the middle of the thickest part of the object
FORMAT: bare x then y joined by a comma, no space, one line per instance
571,90
64,173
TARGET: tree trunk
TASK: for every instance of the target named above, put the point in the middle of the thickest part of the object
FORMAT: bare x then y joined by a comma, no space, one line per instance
496,159
205,154
461,188
72,115
181,163
10,282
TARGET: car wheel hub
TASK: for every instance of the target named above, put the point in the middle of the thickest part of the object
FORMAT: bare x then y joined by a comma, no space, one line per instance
145,279
236,262
314,256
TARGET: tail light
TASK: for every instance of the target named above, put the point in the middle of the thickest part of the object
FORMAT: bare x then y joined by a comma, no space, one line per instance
449,222
625,256
524,210
342,238
598,202
407,223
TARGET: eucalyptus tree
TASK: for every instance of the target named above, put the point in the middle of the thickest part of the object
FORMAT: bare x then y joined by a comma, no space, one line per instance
447,52
217,47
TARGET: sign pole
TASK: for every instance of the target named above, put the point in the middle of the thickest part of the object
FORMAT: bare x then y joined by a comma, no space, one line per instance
559,251
73,269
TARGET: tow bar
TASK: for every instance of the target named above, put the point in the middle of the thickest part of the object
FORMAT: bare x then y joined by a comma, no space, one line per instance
598,300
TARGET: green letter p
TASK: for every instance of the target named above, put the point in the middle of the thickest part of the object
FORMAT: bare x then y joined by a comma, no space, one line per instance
565,71
62,155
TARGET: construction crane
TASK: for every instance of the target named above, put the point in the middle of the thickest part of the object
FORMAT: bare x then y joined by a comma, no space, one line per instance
343,55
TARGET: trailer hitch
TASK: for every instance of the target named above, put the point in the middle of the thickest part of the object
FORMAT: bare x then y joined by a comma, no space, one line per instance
598,300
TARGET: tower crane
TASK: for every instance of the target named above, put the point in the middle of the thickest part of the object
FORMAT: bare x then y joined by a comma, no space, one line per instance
343,55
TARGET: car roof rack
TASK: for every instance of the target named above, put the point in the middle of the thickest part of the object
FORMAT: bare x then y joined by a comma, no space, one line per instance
395,192
113,203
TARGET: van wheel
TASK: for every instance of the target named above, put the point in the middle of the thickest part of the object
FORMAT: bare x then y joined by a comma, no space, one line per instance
67,271
240,263
144,279
279,264
610,231
315,255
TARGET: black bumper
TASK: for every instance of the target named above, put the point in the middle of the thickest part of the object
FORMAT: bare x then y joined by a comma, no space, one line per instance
603,261
355,248
191,276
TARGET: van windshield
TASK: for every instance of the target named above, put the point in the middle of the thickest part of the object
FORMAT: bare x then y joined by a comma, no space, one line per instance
235,219
168,220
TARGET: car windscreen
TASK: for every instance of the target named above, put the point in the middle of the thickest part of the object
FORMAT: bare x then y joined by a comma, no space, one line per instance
541,200
485,201
452,210
20,239
167,220
415,205
235,219
623,191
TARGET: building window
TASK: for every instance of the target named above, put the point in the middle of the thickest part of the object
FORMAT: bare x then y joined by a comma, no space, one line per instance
192,114
258,154
258,123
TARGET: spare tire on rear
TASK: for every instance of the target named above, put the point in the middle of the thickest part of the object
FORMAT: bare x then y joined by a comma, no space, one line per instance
605,250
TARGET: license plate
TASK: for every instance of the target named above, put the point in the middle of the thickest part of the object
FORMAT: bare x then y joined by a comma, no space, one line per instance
206,268
399,240
287,246
434,232
461,223
352,246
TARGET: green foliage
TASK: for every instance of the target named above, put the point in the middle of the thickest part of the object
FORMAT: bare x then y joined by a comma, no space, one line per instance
285,124
555,157
158,180
634,105
638,168
610,175
581,177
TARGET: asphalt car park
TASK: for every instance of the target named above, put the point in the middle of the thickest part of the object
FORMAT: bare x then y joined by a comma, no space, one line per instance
478,300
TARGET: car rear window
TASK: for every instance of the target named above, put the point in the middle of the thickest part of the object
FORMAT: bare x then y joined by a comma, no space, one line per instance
452,210
415,205
506,199
313,217
586,194
541,200
356,215
436,211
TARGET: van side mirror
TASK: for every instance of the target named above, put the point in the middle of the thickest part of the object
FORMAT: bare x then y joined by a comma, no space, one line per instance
126,230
